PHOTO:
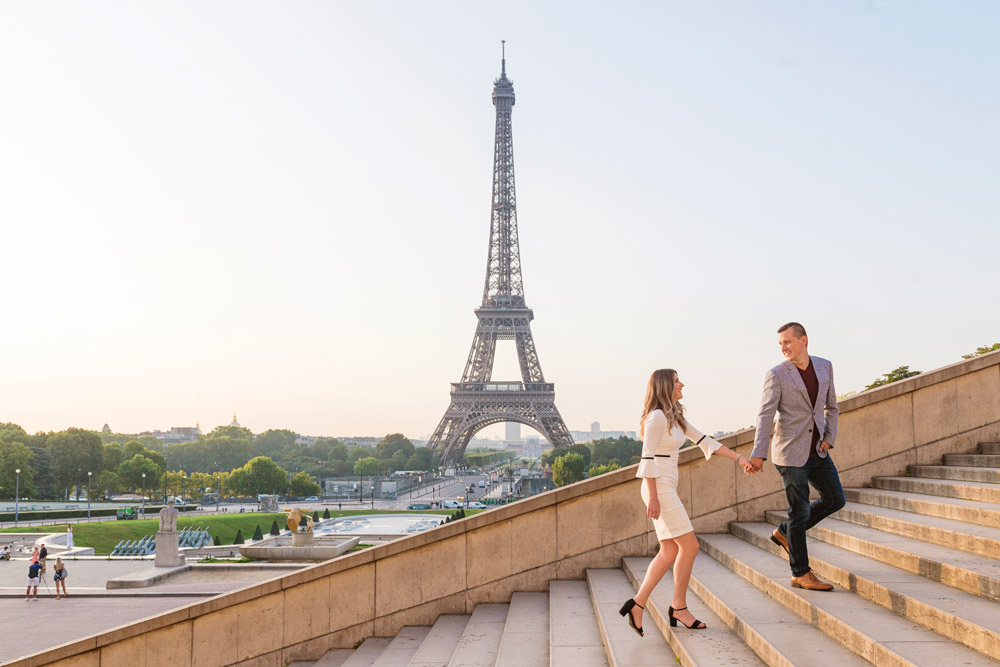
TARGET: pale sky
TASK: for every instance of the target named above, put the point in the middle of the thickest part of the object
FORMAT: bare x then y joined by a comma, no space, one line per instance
282,209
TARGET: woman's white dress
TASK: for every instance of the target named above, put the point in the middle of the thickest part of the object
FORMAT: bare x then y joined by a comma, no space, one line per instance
660,447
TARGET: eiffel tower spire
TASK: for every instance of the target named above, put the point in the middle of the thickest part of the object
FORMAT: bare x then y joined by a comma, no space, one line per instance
478,401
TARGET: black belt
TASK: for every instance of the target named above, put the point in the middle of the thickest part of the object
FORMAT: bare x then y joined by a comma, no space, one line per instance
660,456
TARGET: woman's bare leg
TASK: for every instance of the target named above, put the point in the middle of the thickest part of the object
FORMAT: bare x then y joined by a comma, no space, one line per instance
687,549
657,568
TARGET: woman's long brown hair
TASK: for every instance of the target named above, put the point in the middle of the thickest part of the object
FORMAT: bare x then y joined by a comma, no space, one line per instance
660,396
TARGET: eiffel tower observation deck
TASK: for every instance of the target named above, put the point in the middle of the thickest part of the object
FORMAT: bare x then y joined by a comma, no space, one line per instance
478,400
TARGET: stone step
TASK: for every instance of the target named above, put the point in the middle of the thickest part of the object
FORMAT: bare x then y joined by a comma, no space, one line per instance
869,630
609,589
975,460
403,646
989,447
480,640
967,572
366,654
957,509
957,473
979,540
987,493
332,658
439,644
525,640
959,616
574,636
717,644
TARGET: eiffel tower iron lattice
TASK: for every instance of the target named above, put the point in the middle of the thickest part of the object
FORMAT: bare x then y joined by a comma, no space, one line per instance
478,401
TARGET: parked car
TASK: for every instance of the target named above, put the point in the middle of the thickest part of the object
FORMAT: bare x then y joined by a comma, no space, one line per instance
452,505
311,499
418,506
476,505
482,484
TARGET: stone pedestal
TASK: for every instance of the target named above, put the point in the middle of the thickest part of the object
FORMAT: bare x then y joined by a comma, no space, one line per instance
168,552
302,539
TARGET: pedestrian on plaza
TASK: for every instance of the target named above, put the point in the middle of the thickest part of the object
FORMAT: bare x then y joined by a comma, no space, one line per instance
69,536
59,576
42,555
5,552
34,571
34,555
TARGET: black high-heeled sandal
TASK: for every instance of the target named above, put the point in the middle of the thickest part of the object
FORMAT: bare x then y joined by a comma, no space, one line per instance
626,610
696,625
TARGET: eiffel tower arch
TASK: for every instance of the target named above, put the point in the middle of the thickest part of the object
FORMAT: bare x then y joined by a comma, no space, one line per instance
479,401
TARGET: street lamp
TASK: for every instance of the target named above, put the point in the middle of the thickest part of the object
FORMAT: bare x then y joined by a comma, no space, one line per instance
373,497
144,495
218,488
90,478
17,493
78,471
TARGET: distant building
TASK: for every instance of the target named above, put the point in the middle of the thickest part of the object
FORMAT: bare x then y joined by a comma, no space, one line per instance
512,431
366,442
234,422
176,434
595,433
106,429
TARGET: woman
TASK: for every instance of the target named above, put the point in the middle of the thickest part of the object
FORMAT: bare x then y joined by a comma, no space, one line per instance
69,536
59,576
34,555
664,430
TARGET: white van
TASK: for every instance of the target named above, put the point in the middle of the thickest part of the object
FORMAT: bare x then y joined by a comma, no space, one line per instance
452,505
482,484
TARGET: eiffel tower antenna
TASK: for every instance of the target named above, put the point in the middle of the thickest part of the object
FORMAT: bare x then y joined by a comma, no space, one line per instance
478,401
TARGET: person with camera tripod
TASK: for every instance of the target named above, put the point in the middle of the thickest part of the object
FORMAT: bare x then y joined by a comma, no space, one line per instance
34,572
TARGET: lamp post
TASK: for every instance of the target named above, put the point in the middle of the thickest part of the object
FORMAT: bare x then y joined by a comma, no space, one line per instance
373,497
17,493
184,486
218,488
90,477
143,511
78,471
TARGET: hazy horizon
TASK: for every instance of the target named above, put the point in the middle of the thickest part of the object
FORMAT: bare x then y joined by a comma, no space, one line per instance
283,210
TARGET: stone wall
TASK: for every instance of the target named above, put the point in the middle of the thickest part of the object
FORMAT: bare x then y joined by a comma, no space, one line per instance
520,547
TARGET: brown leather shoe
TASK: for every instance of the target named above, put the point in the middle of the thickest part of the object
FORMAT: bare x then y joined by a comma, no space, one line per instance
811,582
780,540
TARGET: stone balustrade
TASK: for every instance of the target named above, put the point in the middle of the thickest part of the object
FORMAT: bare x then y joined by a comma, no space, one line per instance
520,547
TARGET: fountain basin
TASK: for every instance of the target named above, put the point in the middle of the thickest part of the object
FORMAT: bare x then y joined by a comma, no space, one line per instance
283,548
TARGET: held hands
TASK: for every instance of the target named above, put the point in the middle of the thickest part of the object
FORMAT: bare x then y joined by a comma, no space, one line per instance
758,463
748,467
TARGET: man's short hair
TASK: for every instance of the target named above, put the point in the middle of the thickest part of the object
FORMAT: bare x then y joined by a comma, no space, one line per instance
799,331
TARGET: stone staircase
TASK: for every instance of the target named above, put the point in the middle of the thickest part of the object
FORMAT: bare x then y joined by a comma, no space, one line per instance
915,561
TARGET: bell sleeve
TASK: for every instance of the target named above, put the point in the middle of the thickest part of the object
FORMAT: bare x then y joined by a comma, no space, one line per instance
707,444
656,421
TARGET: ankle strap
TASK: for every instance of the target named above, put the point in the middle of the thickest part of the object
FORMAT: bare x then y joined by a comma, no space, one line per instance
679,608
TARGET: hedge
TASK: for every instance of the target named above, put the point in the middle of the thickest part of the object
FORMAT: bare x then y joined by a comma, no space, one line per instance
41,515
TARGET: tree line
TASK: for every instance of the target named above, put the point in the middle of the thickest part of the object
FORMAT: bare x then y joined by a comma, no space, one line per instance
231,459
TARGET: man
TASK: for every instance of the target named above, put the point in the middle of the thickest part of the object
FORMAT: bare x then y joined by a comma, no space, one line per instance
34,571
801,391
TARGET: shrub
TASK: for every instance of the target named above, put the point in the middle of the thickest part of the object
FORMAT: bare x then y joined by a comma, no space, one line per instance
239,537
257,535
216,541
274,528
326,513
315,517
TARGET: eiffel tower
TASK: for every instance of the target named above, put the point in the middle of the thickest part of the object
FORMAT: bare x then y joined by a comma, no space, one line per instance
478,401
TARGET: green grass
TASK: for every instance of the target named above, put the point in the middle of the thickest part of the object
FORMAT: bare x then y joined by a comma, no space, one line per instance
105,535
359,547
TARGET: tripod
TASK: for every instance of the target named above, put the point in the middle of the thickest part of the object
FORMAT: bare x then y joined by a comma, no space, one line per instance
41,576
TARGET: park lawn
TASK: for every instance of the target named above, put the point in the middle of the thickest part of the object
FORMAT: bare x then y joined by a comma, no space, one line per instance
105,535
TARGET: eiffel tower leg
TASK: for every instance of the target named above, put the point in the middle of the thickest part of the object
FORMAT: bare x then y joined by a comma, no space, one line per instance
527,356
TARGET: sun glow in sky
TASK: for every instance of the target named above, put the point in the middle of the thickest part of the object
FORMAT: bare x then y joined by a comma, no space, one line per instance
282,208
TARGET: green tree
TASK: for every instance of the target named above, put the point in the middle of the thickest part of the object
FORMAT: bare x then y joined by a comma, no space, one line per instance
338,450
273,442
985,349
112,456
130,473
398,460
302,485
46,484
235,432
392,443
75,452
131,448
549,457
259,475
600,470
16,456
422,459
107,483
584,451
895,375
366,466
567,469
